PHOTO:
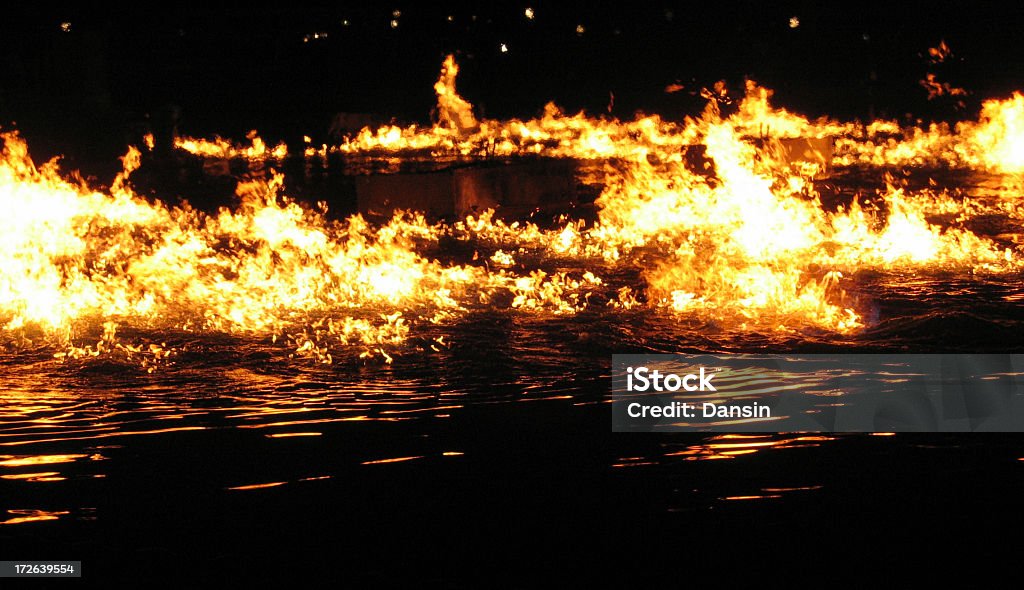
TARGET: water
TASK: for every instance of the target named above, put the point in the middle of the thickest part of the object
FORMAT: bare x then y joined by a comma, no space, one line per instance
490,456
489,461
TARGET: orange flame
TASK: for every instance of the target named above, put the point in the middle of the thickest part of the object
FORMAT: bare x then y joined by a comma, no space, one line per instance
742,239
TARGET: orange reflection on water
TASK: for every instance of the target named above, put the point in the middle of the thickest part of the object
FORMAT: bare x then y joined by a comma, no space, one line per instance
393,460
771,493
103,435
741,445
427,409
745,421
259,486
291,434
796,489
42,476
16,461
729,446
633,464
31,515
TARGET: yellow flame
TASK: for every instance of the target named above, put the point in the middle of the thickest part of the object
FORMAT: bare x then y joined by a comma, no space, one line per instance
734,233
227,150
993,143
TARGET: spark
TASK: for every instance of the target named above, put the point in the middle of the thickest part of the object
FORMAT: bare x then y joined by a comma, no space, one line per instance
794,22
529,13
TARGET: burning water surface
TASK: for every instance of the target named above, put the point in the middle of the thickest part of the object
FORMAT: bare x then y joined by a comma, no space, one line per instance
744,240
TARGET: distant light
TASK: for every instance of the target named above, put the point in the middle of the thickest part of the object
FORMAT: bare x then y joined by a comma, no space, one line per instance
396,13
794,22
580,29
529,13
65,27
345,23
451,18
315,36
504,48
669,15
394,23
866,37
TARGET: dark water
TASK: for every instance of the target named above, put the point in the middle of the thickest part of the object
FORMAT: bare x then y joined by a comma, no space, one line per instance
491,462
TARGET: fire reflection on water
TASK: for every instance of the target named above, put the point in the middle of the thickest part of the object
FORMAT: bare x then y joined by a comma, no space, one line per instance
21,516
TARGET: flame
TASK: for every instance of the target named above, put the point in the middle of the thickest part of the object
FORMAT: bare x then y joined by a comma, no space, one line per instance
453,111
998,138
227,150
753,242
79,265
936,89
724,223
994,143
939,54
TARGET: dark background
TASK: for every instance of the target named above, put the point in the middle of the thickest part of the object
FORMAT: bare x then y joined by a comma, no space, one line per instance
231,68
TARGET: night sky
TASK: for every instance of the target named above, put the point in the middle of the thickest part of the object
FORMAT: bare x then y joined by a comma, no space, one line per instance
78,75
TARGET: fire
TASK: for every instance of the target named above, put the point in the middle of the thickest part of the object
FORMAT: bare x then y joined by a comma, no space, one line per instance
227,150
998,138
453,111
939,54
738,236
993,143
79,265
936,89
